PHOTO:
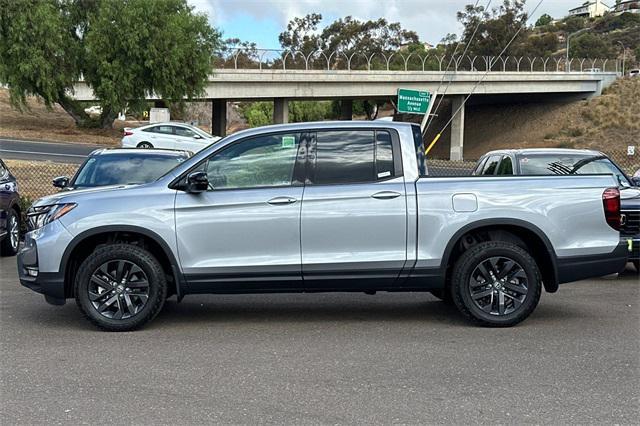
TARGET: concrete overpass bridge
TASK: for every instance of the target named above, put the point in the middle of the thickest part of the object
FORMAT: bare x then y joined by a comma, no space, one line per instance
282,84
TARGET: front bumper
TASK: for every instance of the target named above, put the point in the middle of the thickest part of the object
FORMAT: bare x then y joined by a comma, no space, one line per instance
50,284
576,268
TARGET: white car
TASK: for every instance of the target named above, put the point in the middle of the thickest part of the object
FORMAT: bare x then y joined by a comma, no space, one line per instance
169,135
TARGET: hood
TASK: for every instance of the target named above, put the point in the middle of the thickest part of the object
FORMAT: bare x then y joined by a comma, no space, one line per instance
77,194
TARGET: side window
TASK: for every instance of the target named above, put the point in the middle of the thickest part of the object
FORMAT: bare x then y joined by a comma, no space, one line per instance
160,129
3,170
344,156
506,166
260,161
183,131
384,155
491,165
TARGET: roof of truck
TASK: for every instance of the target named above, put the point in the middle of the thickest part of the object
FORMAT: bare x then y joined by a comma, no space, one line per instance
551,151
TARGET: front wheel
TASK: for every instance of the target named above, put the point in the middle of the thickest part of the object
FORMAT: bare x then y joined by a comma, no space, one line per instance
10,243
496,284
120,287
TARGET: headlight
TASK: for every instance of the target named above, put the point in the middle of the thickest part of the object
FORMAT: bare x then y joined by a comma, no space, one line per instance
38,217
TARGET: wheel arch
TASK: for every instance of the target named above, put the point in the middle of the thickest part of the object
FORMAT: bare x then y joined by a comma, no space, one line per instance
82,245
534,239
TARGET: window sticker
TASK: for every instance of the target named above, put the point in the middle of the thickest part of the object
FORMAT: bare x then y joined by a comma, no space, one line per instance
288,141
384,174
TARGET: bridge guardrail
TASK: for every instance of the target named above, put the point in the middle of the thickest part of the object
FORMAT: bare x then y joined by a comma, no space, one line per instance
269,59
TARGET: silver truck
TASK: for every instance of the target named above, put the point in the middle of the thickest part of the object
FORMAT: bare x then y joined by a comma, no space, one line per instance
318,207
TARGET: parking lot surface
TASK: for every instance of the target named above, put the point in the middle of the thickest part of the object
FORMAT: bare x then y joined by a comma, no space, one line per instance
316,358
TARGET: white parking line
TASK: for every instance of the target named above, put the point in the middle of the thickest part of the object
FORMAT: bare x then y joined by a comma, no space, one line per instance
42,153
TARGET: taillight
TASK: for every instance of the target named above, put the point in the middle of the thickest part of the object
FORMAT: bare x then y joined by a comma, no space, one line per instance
611,203
128,133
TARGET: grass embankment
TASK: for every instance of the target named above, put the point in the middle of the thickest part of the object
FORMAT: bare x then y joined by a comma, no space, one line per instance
42,123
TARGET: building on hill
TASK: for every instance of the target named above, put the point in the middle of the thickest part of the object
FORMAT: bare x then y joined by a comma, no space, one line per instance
589,9
631,6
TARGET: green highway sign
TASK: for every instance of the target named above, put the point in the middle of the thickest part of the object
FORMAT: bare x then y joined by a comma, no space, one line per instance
413,101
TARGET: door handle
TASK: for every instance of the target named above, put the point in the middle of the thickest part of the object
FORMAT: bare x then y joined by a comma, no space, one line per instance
281,201
386,195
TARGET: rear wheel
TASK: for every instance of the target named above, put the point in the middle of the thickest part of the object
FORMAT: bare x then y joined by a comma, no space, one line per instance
120,287
10,243
145,145
496,284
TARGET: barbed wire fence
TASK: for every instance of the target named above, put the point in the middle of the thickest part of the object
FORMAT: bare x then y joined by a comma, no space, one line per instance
291,60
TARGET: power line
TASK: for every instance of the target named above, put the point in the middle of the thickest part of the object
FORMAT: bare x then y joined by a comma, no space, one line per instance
489,65
466,48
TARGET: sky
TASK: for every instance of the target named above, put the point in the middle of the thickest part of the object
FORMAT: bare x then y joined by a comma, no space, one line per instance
261,21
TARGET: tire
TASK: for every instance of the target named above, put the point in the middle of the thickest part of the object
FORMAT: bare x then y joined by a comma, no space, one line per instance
145,145
11,242
513,278
119,305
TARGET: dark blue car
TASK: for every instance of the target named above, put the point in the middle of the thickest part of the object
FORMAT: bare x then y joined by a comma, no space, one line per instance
9,212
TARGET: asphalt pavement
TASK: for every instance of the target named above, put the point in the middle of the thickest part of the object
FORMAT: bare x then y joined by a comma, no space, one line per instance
324,358
58,152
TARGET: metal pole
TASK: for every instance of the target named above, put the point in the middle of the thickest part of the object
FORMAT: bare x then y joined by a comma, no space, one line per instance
568,37
624,53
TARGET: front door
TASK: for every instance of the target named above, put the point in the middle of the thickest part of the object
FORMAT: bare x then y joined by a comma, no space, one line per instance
354,212
244,233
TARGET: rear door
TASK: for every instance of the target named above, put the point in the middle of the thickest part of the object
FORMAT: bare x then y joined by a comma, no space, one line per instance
160,136
354,212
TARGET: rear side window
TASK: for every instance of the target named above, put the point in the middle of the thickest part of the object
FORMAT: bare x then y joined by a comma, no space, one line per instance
420,155
345,156
384,155
506,166
491,165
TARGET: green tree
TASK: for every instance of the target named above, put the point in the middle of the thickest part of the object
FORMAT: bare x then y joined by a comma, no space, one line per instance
543,20
126,50
41,52
495,28
589,45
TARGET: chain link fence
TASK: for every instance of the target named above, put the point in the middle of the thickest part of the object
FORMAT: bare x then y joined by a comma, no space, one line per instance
34,177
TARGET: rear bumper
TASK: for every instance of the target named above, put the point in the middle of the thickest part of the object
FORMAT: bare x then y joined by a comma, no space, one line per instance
577,268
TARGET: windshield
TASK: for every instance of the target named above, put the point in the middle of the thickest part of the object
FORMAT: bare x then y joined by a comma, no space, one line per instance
121,169
555,164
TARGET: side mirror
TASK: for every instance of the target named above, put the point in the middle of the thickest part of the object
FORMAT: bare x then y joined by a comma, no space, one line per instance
60,182
635,181
197,182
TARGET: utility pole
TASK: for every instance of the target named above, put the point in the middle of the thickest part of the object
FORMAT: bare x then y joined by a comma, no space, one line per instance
624,54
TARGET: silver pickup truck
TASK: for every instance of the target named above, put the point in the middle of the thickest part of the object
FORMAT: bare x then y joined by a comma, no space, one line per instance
317,207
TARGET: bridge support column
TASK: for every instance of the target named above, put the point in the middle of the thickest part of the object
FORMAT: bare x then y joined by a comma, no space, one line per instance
280,111
346,109
219,117
457,128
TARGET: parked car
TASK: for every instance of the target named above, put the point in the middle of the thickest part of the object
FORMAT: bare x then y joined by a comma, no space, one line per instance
9,212
122,166
634,73
551,161
170,135
317,207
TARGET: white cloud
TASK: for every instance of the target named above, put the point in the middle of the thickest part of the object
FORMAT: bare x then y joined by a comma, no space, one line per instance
431,19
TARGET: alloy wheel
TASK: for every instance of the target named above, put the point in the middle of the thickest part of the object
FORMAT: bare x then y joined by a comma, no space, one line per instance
498,285
118,289
14,232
